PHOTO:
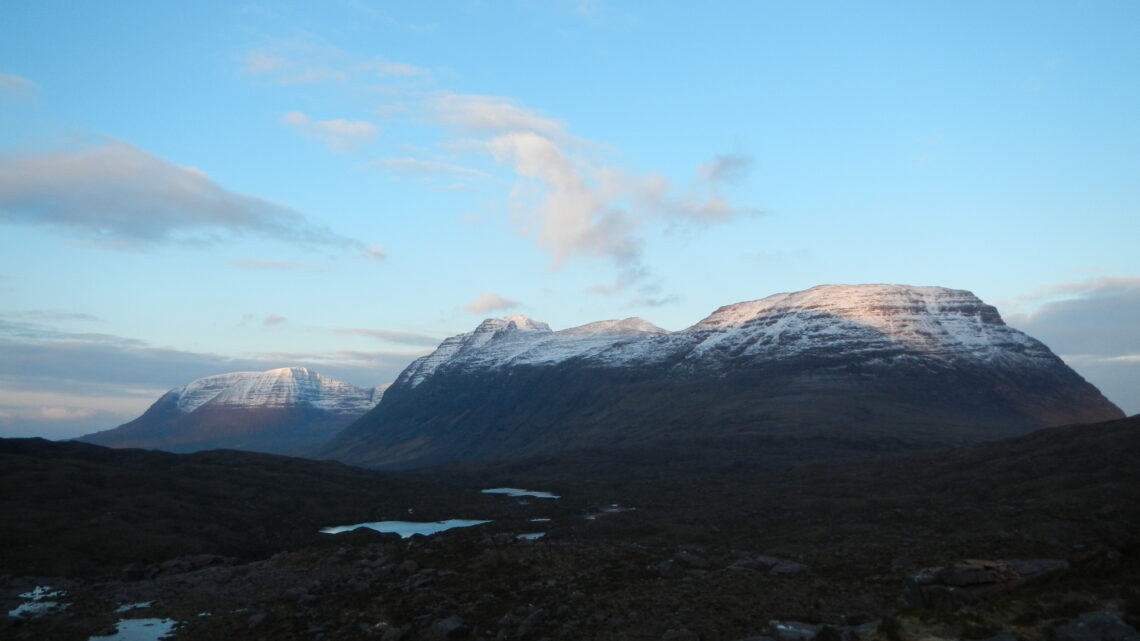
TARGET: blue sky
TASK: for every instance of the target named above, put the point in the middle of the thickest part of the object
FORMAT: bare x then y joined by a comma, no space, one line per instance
190,188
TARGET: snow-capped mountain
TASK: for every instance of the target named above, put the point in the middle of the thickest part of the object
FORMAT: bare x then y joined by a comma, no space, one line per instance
923,363
284,387
280,411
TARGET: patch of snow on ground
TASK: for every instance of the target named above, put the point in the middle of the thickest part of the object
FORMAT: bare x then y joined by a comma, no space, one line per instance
140,630
405,528
514,491
127,607
530,536
38,603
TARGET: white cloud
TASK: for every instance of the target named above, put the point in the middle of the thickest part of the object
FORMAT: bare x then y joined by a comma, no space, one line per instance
122,196
490,302
582,208
491,114
339,134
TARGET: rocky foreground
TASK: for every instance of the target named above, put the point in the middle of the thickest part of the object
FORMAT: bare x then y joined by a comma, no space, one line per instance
1035,538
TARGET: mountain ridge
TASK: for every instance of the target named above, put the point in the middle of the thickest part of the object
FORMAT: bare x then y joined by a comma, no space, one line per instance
930,363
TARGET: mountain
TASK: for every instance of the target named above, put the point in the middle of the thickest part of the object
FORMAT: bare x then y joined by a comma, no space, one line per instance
893,365
277,411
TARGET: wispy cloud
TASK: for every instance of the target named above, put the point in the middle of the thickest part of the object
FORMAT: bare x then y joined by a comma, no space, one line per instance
304,69
275,265
490,302
338,134
726,168
564,192
273,320
409,165
121,196
387,68
48,315
16,85
391,336
491,114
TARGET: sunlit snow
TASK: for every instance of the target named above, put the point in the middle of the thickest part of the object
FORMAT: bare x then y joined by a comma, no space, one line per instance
37,604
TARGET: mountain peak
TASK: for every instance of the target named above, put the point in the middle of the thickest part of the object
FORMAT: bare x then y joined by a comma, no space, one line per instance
284,386
279,410
922,364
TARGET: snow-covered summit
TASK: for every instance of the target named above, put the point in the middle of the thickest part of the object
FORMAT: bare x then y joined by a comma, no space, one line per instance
883,320
283,387
518,340
929,320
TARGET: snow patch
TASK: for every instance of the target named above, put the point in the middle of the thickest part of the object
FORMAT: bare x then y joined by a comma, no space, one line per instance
284,387
876,321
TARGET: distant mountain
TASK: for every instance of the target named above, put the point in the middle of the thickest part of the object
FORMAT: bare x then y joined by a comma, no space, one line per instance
905,366
278,411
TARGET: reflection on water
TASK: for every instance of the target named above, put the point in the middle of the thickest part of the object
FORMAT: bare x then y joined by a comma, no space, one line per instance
514,491
405,528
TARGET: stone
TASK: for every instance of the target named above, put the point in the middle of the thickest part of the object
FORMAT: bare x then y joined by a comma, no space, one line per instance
976,580
1096,626
692,560
683,634
670,569
788,567
449,628
133,572
794,630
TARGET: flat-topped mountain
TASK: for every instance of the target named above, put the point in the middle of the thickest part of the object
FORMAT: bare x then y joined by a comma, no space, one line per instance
277,411
910,366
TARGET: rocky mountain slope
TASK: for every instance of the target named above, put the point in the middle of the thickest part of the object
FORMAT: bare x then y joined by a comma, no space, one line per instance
903,366
278,411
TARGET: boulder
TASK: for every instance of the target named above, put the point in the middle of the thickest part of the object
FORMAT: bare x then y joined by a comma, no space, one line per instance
1096,626
975,580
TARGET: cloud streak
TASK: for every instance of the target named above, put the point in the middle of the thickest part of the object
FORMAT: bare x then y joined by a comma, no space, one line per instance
490,302
338,134
390,336
122,197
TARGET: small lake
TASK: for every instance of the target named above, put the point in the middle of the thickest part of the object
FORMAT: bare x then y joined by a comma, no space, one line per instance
140,630
405,528
514,491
